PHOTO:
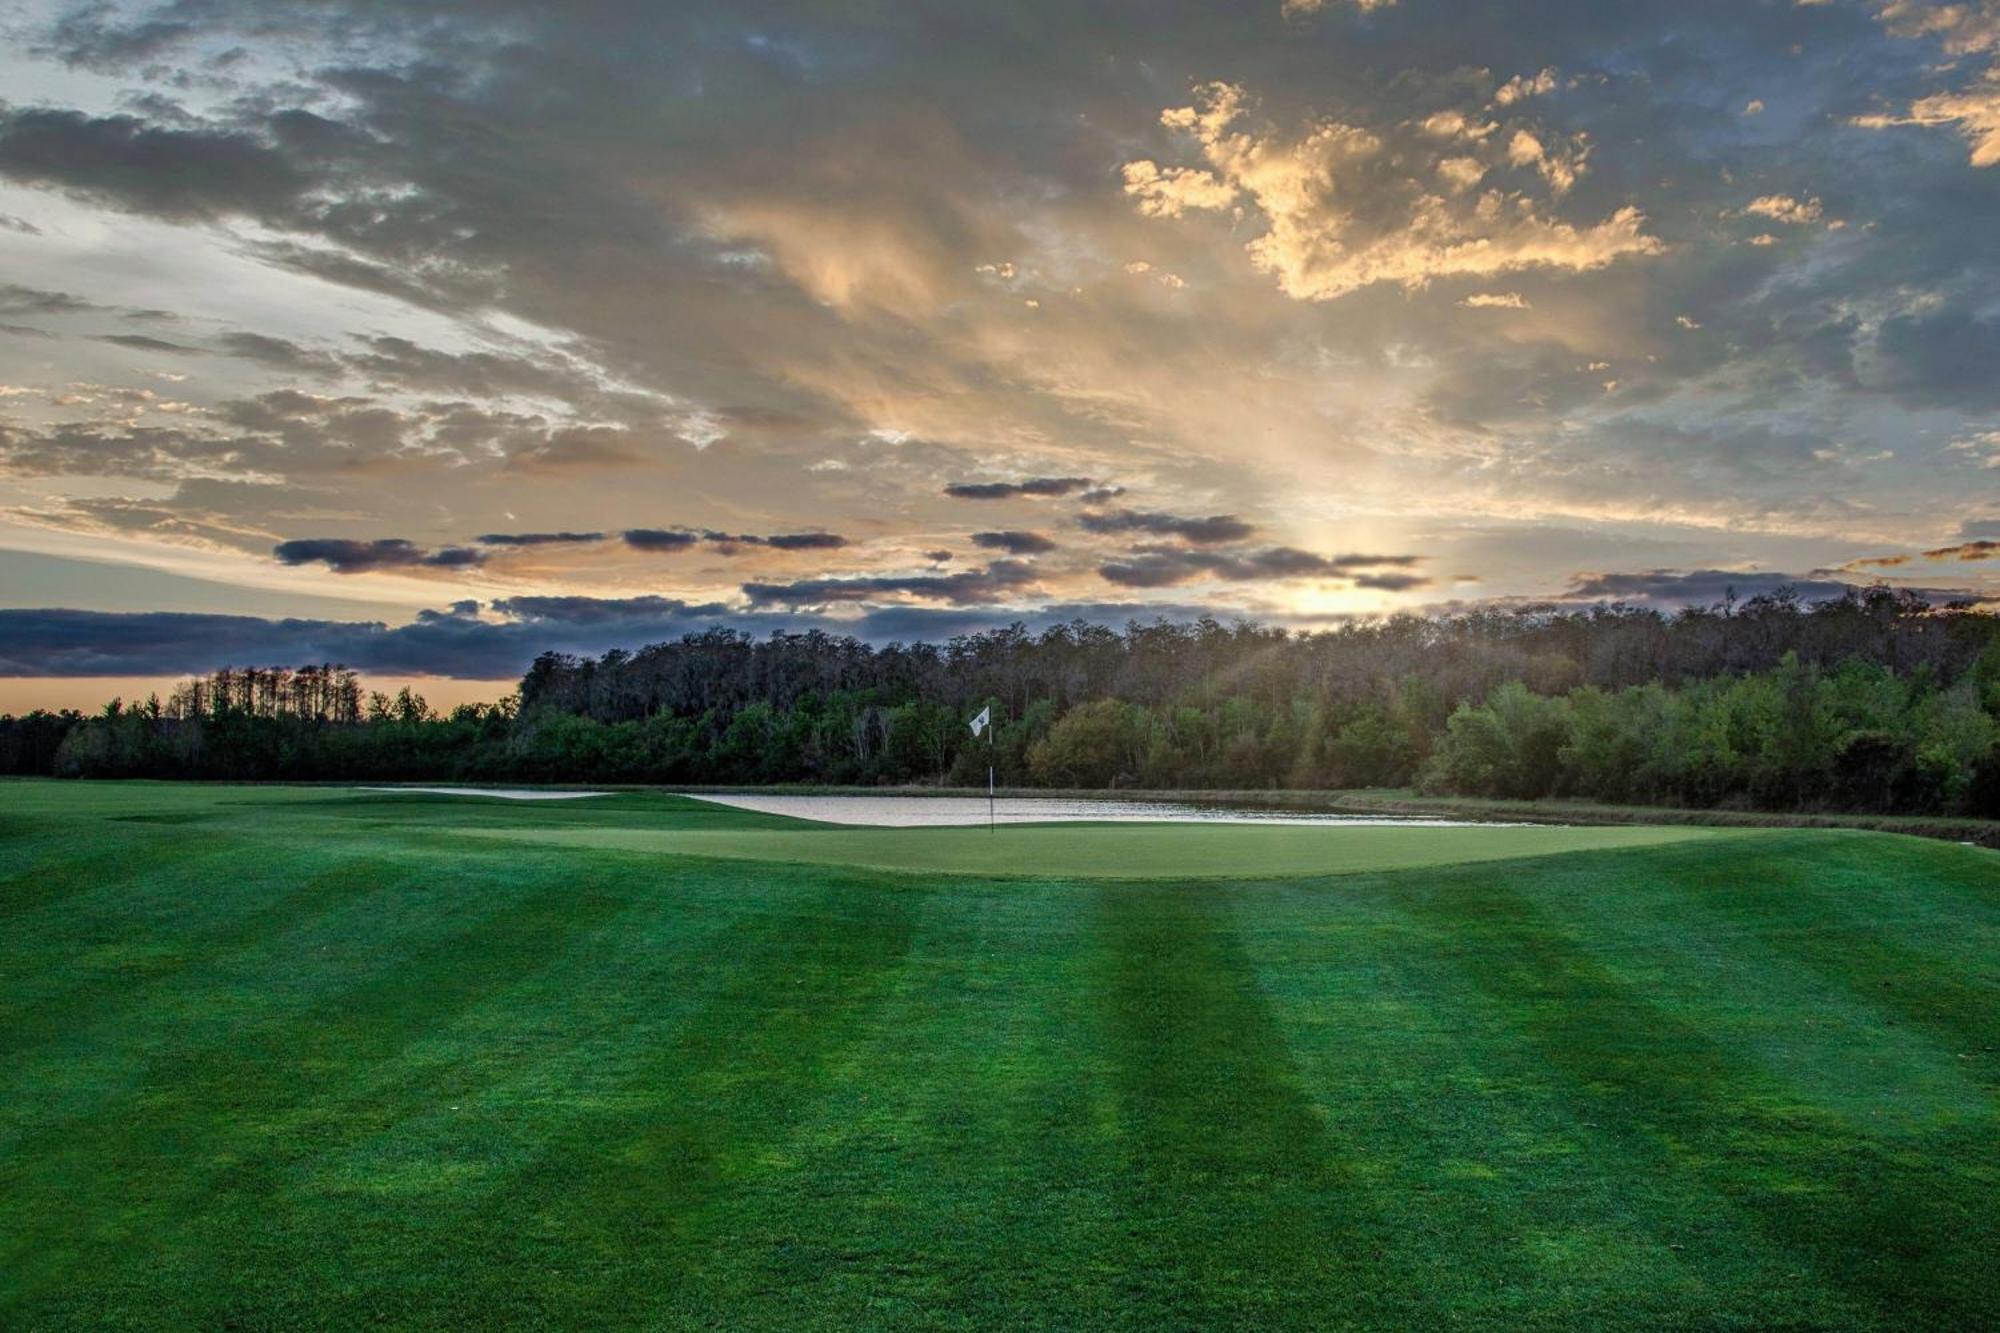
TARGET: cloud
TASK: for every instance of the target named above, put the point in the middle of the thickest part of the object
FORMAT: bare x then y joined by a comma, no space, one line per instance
728,543
1974,550
1962,30
1392,581
1523,86
538,538
280,353
1294,9
1212,530
1343,210
361,557
125,162
85,37
1939,356
660,539
1008,490
1704,587
16,299
799,541
597,611
1784,208
1173,192
465,257
579,447
998,580
457,643
142,342
1974,110
463,642
1161,567
1014,542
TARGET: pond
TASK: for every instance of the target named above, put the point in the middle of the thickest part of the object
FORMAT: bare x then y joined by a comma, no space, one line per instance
948,811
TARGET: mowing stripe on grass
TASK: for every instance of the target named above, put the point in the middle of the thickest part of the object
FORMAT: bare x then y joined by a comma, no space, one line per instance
1110,851
963,1165
201,1080
1239,1209
655,1182
1692,1108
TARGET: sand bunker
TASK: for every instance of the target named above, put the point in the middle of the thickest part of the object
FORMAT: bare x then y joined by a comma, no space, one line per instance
949,811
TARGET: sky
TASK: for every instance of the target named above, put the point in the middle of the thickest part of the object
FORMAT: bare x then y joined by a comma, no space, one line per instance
427,337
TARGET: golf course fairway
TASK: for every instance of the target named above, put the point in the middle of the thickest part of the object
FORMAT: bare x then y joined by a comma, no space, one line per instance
321,1058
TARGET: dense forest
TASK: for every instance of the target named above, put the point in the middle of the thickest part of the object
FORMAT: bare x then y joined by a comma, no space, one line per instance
1877,702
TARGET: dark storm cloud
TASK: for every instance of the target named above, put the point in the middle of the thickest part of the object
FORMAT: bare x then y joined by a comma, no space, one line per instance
141,342
1009,490
1706,587
1941,358
1215,529
998,580
91,36
16,299
359,557
403,364
1014,542
1392,582
280,354
594,611
459,642
933,624
660,539
538,538
1166,566
455,643
1699,586
1973,550
800,541
729,543
126,162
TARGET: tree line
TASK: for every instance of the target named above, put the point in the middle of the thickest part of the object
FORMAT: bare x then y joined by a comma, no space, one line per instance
1874,702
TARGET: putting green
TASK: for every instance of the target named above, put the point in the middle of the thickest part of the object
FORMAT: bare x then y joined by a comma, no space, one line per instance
1110,851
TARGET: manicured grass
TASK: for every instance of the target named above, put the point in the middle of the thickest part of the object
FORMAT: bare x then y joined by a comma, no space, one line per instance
1109,851
306,1058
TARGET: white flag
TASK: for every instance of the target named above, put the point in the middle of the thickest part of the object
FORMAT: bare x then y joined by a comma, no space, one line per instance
983,721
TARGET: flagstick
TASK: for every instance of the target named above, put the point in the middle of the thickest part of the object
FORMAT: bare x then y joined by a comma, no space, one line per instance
983,725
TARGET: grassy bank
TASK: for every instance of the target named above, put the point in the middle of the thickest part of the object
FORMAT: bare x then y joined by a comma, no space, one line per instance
297,1057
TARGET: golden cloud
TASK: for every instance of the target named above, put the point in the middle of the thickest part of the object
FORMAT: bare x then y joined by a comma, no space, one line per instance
1320,242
